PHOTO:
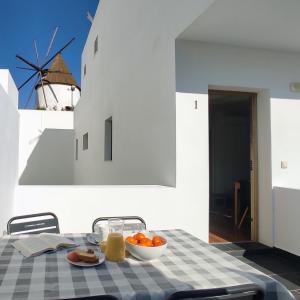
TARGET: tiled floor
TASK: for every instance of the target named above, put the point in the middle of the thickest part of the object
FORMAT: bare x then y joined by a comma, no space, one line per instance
222,230
269,261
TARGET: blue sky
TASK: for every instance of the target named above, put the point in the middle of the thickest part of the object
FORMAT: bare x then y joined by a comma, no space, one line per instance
22,21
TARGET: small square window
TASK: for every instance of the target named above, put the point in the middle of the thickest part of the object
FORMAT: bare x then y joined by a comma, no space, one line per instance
76,149
108,140
96,45
85,141
84,70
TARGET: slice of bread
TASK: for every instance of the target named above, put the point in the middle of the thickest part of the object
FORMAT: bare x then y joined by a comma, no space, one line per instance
87,257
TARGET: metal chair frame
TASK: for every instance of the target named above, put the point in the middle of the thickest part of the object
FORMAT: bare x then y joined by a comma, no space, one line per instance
33,226
125,218
104,297
235,292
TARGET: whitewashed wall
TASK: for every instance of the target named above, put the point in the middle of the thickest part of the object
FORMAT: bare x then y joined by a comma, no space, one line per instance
46,149
286,183
121,92
8,84
132,79
286,213
185,206
9,129
201,66
58,96
286,142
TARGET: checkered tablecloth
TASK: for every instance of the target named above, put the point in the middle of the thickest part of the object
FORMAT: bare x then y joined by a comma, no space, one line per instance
188,263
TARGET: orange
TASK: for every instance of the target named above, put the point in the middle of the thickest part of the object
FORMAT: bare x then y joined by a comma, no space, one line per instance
146,242
131,240
157,241
139,236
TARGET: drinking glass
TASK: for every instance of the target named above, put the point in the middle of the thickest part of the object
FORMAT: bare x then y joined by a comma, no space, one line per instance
115,245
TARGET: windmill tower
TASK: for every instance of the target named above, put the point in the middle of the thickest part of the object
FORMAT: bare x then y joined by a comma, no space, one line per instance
56,88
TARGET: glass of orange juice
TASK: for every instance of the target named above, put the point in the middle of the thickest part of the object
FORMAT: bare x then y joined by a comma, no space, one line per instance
115,245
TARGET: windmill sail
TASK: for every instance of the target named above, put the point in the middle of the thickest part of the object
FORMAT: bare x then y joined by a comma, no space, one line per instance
56,88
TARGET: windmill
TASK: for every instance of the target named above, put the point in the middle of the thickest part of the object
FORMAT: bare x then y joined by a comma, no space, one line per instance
56,88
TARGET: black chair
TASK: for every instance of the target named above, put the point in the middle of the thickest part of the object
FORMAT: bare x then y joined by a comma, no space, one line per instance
240,292
104,297
127,226
33,224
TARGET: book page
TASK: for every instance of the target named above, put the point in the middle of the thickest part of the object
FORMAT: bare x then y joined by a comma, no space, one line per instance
55,240
32,246
38,244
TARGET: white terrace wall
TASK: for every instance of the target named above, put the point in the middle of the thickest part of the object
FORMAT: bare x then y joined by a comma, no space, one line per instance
202,66
8,84
286,142
286,213
9,130
132,79
286,183
46,149
162,207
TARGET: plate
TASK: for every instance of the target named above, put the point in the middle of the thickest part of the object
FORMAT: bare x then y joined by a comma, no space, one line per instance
94,238
84,264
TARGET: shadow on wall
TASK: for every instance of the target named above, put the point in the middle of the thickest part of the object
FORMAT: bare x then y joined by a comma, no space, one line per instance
200,64
51,161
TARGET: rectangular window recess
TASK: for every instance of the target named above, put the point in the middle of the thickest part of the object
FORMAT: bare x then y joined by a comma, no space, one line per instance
96,45
85,141
108,140
76,149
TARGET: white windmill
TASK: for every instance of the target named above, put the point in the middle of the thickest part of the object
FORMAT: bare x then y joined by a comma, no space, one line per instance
56,88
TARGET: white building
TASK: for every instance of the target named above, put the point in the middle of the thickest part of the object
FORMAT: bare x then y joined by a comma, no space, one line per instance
9,132
58,90
177,98
157,72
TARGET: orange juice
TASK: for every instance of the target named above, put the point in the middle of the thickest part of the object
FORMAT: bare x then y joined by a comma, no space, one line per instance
115,247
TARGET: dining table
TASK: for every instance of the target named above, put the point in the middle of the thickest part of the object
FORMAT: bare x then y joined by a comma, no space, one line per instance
187,264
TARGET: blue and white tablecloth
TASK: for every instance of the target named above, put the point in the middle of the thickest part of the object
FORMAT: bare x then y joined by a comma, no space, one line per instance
188,263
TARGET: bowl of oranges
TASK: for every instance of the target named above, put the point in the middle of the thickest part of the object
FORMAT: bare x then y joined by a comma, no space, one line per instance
146,247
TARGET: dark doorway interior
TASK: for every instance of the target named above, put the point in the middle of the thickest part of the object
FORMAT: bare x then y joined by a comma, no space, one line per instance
230,190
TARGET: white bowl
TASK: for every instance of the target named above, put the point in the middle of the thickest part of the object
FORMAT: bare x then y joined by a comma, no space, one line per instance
146,253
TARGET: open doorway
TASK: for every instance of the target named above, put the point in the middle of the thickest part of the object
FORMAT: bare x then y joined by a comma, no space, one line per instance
233,180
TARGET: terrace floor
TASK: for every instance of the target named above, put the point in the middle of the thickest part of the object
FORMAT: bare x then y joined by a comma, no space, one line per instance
275,263
223,230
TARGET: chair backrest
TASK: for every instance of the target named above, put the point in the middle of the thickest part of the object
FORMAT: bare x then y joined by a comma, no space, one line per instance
240,292
131,222
33,224
104,297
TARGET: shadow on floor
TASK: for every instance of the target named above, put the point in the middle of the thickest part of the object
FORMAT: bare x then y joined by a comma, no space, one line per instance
272,262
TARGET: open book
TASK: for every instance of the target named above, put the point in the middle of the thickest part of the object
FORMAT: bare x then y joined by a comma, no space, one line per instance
38,244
